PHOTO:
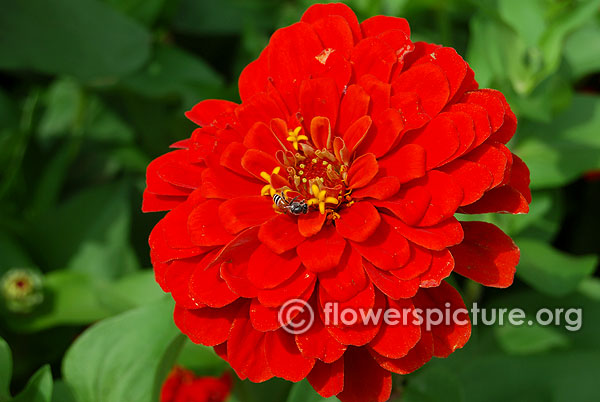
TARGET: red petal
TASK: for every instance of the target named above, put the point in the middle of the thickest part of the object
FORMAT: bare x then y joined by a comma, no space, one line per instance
415,359
207,326
289,63
327,379
317,343
267,269
347,279
254,77
375,57
429,82
376,25
319,11
381,188
335,34
256,161
364,379
260,107
441,267
236,277
410,204
301,282
419,263
519,178
211,111
362,332
453,65
222,183
311,224
240,213
207,286
446,337
358,222
322,251
486,255
385,132
285,360
446,197
493,158
205,227
400,334
407,163
320,132
260,136
378,91
505,199
481,121
319,97
177,279
390,285
386,248
473,178
440,139
490,102
231,158
362,171
438,237
280,233
356,133
246,350
354,105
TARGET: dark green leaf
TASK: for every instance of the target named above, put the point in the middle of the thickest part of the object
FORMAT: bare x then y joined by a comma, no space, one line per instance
437,384
5,370
530,339
304,392
84,38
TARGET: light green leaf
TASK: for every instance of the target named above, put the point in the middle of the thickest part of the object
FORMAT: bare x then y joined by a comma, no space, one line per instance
78,298
124,358
530,339
202,359
84,38
5,370
525,17
39,387
582,50
561,151
551,271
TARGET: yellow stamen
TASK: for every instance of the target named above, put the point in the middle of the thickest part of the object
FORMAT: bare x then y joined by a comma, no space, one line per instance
268,189
294,137
320,198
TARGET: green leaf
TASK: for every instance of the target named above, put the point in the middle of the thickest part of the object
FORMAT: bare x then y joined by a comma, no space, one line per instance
39,387
5,370
561,151
84,38
551,271
582,50
202,359
145,11
525,17
62,393
64,102
12,254
175,72
124,358
304,392
78,298
71,298
437,384
89,232
225,16
530,339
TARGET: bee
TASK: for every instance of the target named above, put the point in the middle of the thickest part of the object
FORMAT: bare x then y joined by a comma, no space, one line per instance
292,206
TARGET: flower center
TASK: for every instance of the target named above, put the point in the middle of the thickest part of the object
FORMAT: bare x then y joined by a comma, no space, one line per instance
315,177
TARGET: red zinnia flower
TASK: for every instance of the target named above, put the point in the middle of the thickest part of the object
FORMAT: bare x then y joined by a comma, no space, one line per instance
379,142
183,386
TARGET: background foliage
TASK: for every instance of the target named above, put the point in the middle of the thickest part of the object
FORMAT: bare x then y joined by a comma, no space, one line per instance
92,90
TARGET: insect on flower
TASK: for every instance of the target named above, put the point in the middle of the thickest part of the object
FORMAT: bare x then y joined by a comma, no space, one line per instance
292,206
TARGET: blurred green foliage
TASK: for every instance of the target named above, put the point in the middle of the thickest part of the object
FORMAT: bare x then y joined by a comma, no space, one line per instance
92,90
